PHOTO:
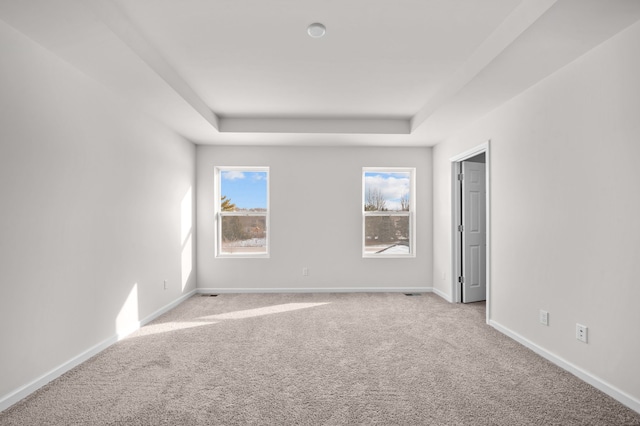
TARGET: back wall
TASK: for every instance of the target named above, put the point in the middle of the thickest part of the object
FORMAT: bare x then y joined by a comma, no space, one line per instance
316,221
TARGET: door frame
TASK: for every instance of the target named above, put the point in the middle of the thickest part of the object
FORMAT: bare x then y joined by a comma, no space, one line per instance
456,218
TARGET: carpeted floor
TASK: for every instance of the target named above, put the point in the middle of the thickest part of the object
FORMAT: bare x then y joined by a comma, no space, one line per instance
318,359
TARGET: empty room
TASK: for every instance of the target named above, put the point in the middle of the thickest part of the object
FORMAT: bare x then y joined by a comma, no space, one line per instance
412,212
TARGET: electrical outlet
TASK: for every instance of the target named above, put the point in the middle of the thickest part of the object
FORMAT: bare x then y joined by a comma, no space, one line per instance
581,332
305,271
544,317
165,284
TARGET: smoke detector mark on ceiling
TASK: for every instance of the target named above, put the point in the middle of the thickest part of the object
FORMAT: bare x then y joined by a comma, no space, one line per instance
316,30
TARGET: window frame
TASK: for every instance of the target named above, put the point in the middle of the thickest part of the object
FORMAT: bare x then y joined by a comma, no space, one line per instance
219,214
411,213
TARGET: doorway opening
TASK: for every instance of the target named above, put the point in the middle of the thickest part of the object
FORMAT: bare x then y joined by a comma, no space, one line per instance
470,233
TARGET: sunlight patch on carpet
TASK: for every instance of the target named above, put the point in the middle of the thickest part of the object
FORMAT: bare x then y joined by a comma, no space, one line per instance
250,313
169,326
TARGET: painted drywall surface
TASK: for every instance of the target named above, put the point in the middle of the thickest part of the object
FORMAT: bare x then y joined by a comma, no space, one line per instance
564,205
92,219
316,219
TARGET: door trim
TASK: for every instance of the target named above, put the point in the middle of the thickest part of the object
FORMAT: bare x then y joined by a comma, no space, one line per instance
456,258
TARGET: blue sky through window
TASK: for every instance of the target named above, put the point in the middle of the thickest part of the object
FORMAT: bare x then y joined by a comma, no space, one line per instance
247,190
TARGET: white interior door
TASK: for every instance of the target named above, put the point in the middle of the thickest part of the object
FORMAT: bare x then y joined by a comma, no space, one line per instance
474,232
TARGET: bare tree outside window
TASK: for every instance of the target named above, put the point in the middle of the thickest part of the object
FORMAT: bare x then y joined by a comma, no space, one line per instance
404,202
375,201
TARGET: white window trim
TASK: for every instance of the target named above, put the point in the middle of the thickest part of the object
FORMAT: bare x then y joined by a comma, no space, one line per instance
411,213
219,214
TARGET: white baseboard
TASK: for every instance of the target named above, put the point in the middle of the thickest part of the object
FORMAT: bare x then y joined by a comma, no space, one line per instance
165,308
17,395
316,290
13,397
442,294
594,381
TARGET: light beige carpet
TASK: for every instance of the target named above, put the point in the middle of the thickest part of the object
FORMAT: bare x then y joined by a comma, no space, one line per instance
318,359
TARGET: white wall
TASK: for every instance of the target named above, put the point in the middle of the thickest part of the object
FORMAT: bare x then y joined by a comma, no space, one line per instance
565,208
316,220
92,214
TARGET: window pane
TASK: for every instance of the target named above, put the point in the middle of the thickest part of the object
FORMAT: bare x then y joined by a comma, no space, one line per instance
243,191
244,234
387,191
387,235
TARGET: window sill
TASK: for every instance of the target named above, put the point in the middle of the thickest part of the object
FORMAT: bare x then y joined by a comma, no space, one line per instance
243,256
388,256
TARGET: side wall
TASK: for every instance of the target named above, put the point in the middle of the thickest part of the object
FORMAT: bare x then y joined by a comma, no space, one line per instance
316,221
564,203
96,213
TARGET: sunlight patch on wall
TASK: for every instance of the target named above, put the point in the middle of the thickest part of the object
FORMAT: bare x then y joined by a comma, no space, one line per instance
186,232
187,262
186,218
127,320
250,313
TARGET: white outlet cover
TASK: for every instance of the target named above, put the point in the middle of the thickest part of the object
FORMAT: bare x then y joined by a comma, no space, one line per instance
582,332
544,317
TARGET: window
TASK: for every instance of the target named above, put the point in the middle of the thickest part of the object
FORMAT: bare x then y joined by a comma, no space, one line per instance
388,212
242,207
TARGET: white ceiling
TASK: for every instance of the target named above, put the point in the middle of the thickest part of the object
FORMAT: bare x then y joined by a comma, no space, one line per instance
391,73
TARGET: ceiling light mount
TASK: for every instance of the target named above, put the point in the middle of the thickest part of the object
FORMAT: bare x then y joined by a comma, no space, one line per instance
316,30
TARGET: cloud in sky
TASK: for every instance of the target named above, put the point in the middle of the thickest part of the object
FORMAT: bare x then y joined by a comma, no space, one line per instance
246,189
232,175
391,185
